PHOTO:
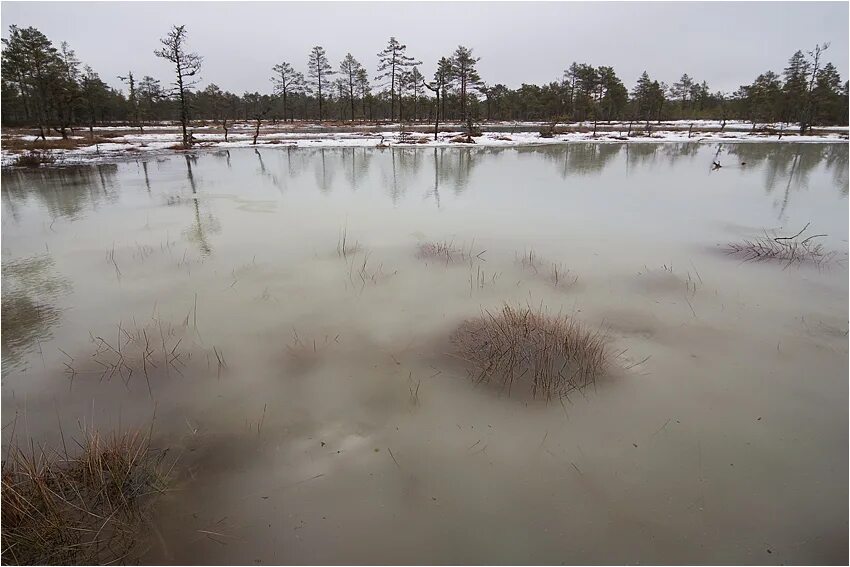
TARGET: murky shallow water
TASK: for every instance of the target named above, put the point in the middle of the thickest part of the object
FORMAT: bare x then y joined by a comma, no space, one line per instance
720,436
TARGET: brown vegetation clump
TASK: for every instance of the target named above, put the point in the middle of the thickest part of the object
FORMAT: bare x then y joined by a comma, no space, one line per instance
553,355
82,509
14,144
787,249
548,131
441,250
35,158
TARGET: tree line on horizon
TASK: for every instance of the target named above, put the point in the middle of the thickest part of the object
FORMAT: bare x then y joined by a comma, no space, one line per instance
49,88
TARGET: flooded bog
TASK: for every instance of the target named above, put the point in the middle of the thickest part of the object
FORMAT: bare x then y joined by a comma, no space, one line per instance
283,320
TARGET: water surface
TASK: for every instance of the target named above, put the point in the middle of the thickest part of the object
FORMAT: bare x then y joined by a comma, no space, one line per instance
719,436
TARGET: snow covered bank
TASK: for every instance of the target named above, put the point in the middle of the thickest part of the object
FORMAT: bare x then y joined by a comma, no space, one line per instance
129,146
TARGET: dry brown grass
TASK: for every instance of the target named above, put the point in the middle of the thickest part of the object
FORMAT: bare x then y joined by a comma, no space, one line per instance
35,158
551,354
19,145
787,249
81,509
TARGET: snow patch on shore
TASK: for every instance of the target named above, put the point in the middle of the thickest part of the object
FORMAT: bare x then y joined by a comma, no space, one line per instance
130,145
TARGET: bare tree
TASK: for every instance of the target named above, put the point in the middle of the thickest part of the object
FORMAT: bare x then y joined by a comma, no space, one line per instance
815,56
416,83
258,116
319,70
442,77
186,66
286,81
133,99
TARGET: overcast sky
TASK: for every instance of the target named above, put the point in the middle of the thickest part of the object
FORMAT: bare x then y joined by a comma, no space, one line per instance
726,44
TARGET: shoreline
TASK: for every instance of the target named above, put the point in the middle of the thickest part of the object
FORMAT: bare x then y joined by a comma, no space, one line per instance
117,144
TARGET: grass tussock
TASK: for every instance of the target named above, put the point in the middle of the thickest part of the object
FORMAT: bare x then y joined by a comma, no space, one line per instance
85,508
551,354
789,250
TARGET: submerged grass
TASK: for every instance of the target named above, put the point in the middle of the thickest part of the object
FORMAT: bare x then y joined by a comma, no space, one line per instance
553,354
787,249
344,247
448,252
553,272
80,509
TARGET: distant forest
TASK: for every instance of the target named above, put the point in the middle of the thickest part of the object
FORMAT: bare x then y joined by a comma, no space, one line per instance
47,87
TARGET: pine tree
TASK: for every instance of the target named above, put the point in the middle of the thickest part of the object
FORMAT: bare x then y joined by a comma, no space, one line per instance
570,82
150,93
586,82
827,96
464,72
794,89
65,88
682,89
31,59
94,93
393,61
763,97
350,68
641,97
364,90
319,71
286,81
614,94
444,77
186,67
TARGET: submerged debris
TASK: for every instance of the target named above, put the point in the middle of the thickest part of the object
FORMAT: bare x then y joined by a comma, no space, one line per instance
81,509
552,354
787,249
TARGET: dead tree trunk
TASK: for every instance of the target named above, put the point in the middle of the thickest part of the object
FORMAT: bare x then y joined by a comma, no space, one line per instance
257,129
